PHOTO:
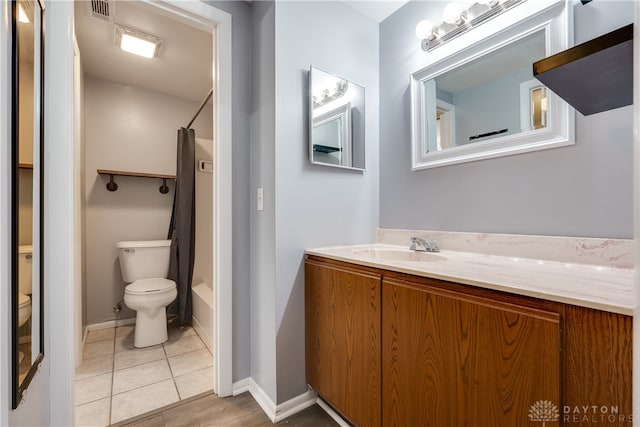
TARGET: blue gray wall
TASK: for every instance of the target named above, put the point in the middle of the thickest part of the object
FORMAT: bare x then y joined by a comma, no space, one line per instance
304,205
580,190
263,230
316,205
241,112
489,107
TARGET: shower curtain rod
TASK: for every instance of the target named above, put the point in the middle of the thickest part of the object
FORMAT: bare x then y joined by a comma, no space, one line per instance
200,109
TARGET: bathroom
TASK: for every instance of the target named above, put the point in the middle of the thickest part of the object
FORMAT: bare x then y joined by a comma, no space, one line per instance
130,109
584,189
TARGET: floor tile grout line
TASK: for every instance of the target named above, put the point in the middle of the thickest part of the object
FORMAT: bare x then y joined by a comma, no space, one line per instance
113,370
173,378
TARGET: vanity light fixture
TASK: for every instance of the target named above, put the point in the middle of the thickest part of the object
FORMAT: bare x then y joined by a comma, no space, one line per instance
137,42
329,94
457,20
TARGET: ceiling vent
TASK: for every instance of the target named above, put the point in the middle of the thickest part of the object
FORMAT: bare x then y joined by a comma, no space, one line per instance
102,9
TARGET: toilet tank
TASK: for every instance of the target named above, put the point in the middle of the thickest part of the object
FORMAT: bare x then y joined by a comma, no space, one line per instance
25,269
143,259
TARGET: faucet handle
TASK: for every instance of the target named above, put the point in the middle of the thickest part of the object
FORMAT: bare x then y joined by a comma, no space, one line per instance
413,244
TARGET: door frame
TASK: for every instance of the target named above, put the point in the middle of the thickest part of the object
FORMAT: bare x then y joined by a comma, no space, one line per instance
59,121
218,22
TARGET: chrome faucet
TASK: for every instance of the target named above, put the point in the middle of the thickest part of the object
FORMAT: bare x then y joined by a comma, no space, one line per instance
421,245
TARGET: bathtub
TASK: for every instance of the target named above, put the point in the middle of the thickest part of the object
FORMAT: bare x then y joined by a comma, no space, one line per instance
202,299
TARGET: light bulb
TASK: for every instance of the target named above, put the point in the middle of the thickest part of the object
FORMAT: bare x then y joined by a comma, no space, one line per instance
424,29
452,13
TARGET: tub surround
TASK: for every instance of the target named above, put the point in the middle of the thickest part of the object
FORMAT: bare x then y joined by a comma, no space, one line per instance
587,272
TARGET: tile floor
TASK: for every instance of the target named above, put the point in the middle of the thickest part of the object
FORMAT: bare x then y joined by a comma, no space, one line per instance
117,381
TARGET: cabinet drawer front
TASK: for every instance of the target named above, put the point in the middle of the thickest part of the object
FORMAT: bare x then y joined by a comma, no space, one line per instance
342,311
454,360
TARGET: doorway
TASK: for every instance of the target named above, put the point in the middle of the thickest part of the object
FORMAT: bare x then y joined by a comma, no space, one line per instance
100,202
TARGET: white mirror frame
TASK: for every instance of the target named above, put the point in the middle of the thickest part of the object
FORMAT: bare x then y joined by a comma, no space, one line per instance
554,17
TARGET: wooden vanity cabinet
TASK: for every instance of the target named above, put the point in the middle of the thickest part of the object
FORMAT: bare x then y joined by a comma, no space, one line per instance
435,353
342,312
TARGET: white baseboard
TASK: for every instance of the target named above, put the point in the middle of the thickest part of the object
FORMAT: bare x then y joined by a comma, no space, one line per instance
276,413
111,324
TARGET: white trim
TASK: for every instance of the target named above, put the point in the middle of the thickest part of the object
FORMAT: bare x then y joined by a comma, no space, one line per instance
333,414
110,324
276,413
58,210
447,124
78,140
219,22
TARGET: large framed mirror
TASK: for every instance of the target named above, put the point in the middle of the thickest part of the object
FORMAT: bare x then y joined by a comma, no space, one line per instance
478,99
27,142
336,121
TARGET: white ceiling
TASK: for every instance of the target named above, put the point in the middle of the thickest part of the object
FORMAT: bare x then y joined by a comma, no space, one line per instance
378,10
183,67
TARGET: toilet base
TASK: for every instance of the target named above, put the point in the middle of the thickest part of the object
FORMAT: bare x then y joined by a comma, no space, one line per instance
150,330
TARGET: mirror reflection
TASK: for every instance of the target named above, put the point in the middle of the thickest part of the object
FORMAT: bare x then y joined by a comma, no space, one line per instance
492,96
336,125
27,188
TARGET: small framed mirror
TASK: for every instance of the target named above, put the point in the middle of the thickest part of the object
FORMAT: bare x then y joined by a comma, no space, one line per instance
27,183
478,99
336,121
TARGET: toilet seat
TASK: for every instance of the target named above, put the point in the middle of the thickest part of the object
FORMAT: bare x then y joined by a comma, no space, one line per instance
149,286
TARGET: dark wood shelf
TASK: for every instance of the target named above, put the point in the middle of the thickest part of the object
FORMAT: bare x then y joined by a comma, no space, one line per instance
25,165
112,186
138,174
595,76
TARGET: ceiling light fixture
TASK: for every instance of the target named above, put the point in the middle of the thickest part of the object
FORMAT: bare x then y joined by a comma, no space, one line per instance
137,42
22,15
457,20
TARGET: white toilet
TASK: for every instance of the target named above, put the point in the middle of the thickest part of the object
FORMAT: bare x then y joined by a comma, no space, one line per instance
25,280
145,265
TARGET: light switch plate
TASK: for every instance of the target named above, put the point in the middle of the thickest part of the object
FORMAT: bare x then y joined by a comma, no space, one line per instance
260,199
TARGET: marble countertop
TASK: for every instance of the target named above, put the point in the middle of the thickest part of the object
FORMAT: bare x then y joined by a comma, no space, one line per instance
609,288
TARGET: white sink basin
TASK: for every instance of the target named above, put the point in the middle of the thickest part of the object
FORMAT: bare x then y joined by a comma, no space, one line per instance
397,255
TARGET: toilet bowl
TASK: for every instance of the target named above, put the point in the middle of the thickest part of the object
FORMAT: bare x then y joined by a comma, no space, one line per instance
25,276
149,298
24,308
145,265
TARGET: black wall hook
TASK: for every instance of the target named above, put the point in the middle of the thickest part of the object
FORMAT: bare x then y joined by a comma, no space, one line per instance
164,188
111,185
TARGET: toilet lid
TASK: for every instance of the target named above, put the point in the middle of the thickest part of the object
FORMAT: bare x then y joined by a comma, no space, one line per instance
23,299
144,286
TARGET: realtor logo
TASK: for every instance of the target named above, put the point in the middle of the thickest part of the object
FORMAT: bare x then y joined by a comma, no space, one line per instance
543,410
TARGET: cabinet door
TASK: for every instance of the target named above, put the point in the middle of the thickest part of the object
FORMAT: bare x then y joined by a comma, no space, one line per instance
455,360
343,340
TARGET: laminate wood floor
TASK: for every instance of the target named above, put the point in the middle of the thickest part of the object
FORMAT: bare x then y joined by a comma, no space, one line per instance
241,410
